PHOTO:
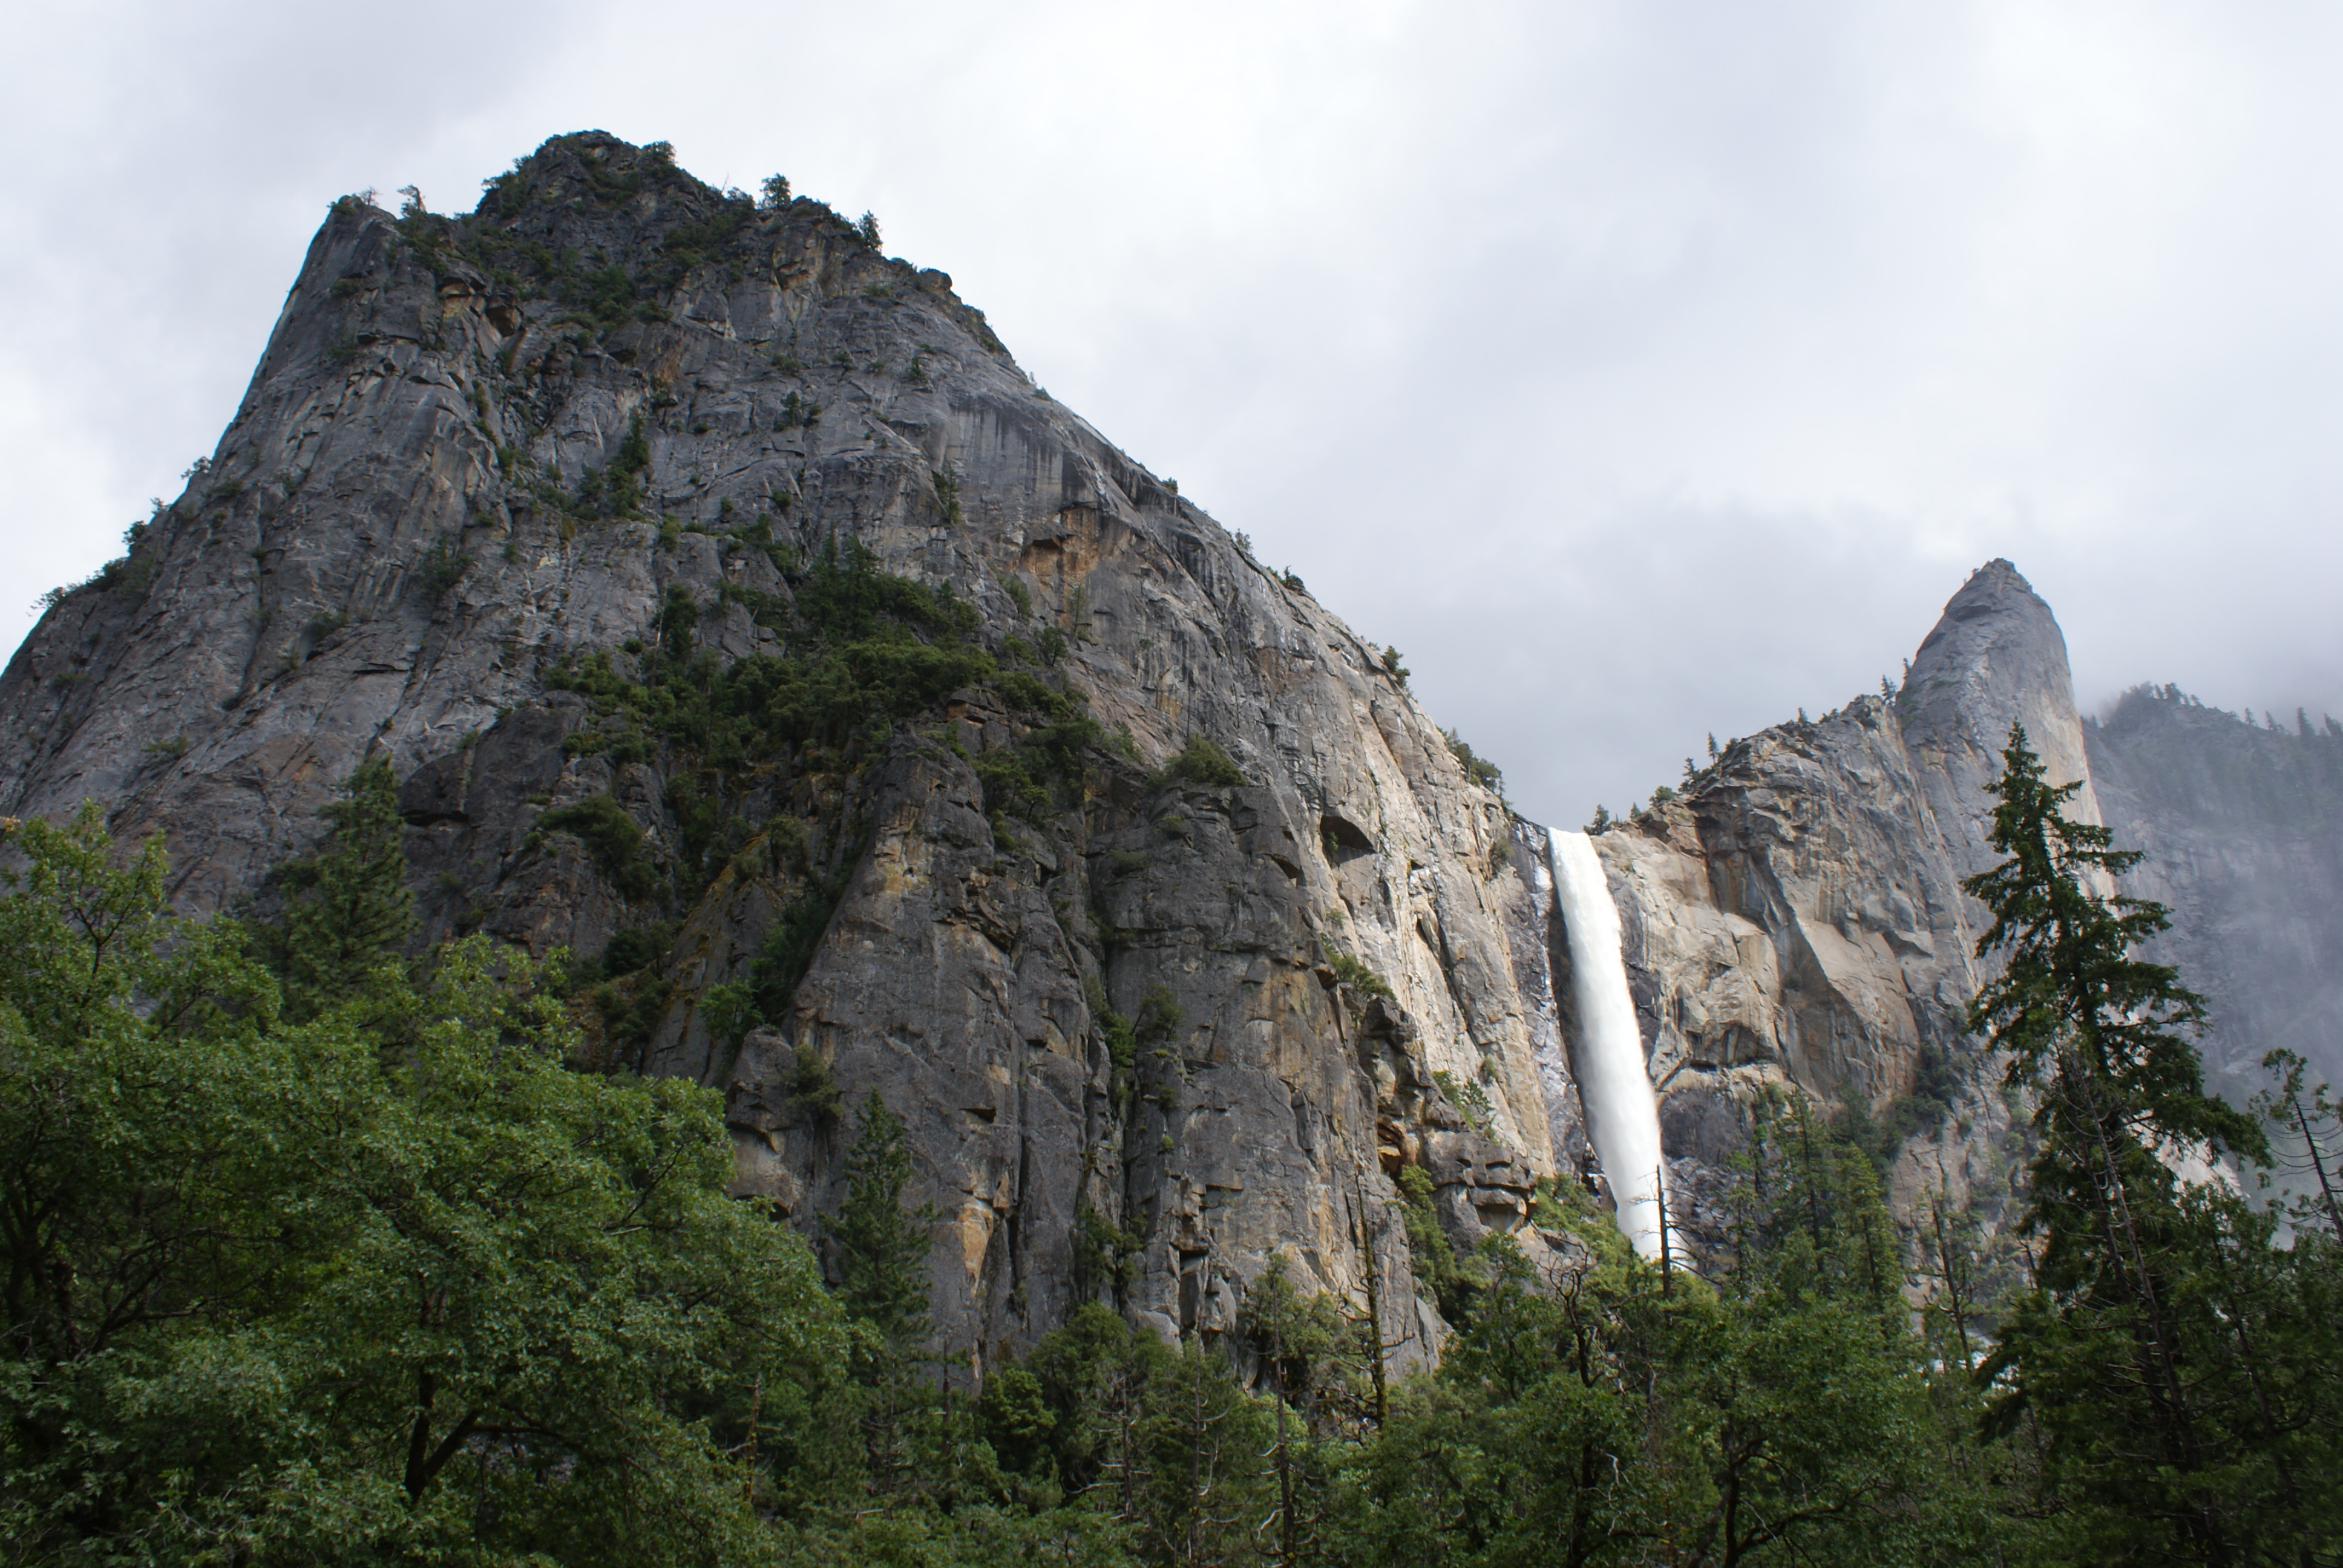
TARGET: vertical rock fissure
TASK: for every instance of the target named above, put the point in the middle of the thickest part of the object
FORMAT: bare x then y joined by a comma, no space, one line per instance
1614,1083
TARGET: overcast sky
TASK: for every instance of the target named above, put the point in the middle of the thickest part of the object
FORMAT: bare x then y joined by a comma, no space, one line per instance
1641,371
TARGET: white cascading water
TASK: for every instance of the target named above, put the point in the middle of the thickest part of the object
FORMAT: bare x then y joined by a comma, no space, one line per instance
1614,1083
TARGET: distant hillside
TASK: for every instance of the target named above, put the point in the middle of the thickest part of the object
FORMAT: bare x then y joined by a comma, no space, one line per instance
2239,822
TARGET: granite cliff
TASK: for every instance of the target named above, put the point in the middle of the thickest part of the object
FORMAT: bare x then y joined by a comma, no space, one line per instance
1794,914
739,618
1145,894
2242,829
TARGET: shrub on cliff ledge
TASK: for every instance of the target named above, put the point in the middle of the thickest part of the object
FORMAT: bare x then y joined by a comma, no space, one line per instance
610,835
1203,762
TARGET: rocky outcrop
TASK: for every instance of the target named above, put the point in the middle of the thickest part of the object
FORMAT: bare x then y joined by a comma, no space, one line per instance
617,416
1795,916
1995,657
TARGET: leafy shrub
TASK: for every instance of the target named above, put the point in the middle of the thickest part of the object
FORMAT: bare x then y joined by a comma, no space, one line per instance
813,1089
1470,1100
1203,762
729,1011
789,946
1350,971
610,835
1010,787
616,489
638,947
1452,1281
443,566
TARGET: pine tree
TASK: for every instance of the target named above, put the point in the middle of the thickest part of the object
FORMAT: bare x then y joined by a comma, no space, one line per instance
347,908
881,1250
881,1253
2157,1351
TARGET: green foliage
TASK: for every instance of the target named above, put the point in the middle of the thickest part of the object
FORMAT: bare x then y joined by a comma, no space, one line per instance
2169,1355
1201,762
1470,1100
638,947
813,1089
1023,780
616,489
879,1249
728,1010
862,650
775,190
788,948
860,645
1392,667
347,910
1478,768
1453,1282
411,1287
1353,972
1162,1443
1107,1256
611,836
399,1283
1774,1412
442,567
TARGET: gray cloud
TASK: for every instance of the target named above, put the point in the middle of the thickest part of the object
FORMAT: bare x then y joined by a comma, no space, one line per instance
1639,371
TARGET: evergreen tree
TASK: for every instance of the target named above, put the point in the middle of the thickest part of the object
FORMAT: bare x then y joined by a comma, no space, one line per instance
347,908
2163,1353
879,1249
880,1254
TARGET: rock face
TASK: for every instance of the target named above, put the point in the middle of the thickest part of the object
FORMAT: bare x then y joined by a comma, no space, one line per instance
1995,657
614,412
2242,828
1796,915
546,505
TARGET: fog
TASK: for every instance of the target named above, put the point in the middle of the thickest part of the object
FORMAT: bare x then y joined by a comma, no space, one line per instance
1662,368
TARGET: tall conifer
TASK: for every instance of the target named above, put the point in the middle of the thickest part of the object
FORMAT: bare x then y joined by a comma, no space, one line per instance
2140,1352
347,908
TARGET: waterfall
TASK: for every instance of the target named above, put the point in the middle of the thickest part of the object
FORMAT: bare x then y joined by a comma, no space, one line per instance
1614,1083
